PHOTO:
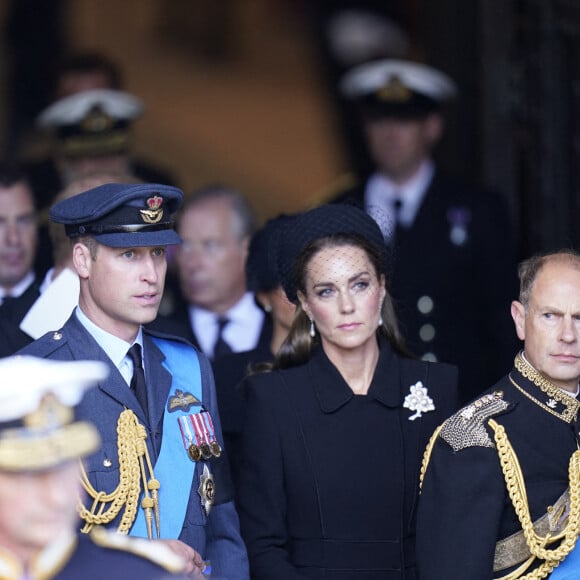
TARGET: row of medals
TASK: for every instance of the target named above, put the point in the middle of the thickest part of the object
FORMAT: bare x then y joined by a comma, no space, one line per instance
204,450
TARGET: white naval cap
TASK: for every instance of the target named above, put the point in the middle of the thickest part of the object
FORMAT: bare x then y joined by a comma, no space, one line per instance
72,110
37,400
398,86
92,123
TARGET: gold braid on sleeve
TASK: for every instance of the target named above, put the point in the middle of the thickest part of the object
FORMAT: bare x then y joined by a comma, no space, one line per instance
427,455
134,468
516,487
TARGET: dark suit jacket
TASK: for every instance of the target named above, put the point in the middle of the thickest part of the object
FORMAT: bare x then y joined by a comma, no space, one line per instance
216,537
178,324
330,479
11,315
92,561
229,372
471,285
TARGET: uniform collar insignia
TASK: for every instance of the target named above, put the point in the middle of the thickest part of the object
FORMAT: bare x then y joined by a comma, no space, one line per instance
418,400
556,402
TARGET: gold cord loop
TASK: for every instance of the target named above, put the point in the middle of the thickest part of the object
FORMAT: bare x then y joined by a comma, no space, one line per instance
134,467
538,545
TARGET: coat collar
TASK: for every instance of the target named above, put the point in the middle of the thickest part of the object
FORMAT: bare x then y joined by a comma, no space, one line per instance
333,392
538,389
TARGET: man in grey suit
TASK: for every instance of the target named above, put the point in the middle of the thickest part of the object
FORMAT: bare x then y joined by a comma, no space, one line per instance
161,472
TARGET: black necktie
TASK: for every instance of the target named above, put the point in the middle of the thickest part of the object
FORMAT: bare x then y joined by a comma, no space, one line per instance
221,347
138,385
397,204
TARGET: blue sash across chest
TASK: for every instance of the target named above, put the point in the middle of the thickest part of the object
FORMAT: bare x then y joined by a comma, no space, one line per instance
174,470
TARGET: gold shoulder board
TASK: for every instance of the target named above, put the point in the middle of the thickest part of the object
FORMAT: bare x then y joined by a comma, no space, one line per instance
151,550
467,427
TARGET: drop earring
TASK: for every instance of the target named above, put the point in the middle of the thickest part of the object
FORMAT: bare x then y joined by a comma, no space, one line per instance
312,329
380,318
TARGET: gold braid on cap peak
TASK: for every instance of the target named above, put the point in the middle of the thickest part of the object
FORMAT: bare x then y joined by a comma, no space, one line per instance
516,487
134,465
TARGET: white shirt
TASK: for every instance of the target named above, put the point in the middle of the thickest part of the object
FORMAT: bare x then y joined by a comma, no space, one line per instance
241,333
114,347
19,289
381,191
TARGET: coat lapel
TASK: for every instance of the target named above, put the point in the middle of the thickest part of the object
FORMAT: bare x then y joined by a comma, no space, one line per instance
84,346
158,381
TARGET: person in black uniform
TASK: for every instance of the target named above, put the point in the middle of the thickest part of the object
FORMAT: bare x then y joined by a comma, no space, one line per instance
334,434
453,242
161,471
40,445
82,140
500,497
263,279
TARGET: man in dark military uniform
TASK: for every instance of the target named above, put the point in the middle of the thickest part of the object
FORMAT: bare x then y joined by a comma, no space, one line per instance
453,268
501,492
160,472
40,444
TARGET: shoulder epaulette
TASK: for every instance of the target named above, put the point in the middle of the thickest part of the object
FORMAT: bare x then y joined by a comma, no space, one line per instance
155,552
467,427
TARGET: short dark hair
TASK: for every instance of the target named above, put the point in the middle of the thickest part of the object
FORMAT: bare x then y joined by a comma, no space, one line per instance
11,174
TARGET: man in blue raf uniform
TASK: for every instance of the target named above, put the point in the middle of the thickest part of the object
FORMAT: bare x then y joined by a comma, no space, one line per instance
501,493
452,243
40,445
161,472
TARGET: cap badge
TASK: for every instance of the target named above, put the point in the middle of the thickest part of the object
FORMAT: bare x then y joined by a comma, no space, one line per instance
155,212
96,120
394,91
51,414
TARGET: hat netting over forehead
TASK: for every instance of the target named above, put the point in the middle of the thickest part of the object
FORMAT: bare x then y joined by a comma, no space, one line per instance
327,221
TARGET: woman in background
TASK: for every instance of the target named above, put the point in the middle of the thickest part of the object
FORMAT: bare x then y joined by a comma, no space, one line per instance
263,280
334,434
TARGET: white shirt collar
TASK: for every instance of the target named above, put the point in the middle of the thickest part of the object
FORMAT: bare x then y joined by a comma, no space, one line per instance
381,191
243,331
20,288
115,348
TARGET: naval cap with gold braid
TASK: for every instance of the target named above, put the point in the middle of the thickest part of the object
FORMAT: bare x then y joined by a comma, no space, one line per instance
37,400
122,215
397,88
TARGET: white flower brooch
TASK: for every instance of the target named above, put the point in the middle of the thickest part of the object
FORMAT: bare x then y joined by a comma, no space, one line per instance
418,400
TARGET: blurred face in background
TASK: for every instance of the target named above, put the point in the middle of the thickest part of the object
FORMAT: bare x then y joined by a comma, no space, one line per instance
280,308
398,146
211,260
18,233
37,506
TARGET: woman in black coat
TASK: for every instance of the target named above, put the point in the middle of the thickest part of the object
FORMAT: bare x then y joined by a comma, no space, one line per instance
334,434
